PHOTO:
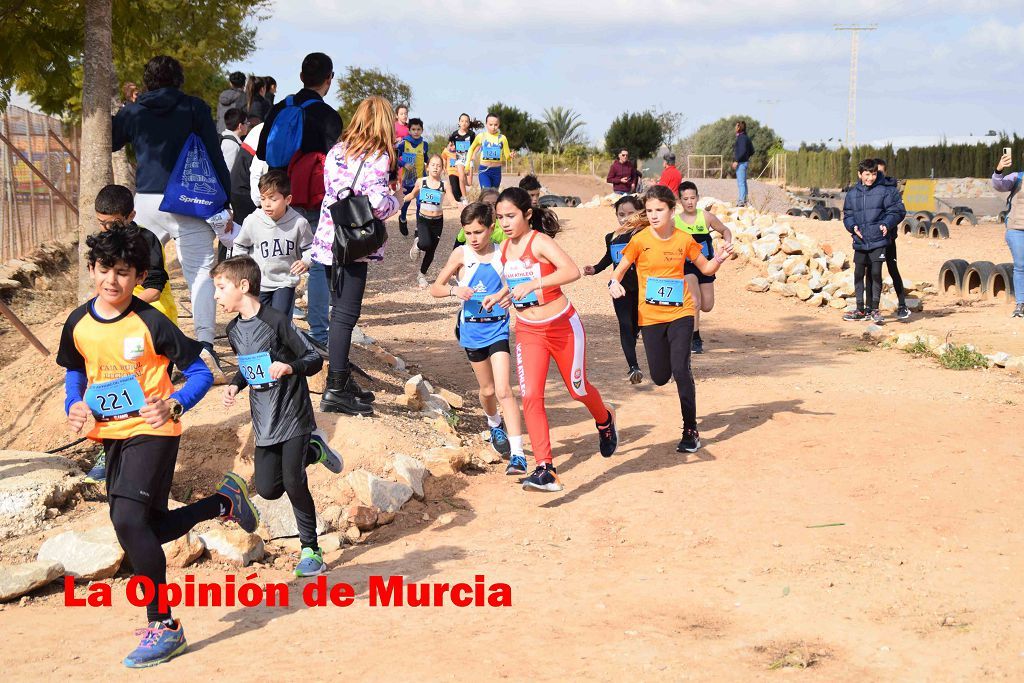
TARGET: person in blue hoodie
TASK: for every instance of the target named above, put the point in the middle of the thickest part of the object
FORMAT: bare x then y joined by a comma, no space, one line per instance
870,212
157,125
902,312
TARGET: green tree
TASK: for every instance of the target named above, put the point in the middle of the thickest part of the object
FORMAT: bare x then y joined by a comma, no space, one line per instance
719,137
564,128
640,133
521,129
357,84
671,123
42,45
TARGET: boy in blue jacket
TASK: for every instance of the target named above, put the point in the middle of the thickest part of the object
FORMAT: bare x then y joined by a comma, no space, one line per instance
870,211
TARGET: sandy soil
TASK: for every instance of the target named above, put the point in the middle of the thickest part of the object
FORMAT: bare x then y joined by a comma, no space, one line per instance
650,565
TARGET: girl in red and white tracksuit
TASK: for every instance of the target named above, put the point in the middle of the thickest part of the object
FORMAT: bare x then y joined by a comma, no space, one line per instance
547,326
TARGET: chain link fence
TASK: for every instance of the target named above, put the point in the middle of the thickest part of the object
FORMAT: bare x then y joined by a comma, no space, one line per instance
38,181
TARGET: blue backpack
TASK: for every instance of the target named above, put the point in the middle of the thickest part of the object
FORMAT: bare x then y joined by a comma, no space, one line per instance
193,188
285,137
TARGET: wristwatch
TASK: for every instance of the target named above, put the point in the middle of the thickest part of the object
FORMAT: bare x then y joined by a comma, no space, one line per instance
176,409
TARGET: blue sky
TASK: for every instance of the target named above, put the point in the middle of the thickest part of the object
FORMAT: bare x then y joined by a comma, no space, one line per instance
949,67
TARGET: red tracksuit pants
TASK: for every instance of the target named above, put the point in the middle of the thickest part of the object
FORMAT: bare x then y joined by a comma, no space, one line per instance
563,339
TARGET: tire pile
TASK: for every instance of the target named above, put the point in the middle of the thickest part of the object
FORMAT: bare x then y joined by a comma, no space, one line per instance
978,280
927,224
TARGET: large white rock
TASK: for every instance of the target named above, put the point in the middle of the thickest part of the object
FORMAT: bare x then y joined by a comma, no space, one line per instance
388,496
87,555
184,550
278,517
24,578
758,284
411,472
31,482
233,545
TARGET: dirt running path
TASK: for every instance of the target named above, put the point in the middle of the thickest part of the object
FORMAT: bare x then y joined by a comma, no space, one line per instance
656,566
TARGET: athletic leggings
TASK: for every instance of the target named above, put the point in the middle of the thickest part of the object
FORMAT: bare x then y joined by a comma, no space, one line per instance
668,357
894,273
867,283
453,181
428,236
281,468
563,339
142,529
347,302
629,327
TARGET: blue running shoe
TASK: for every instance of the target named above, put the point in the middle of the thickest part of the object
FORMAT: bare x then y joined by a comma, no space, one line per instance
609,436
98,473
159,644
311,563
516,465
321,452
544,478
499,441
242,510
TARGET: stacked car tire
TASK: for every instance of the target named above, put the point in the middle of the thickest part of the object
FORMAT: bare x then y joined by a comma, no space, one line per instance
978,280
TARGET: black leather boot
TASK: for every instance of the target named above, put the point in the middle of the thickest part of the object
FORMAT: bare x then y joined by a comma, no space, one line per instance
338,398
364,395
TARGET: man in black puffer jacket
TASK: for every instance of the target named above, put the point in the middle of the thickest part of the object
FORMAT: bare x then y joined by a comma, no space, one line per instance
871,210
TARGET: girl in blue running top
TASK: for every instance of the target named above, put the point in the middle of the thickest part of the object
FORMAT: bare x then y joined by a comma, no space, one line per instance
484,334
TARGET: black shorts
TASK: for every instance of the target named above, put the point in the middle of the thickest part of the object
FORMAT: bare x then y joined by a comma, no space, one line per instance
868,257
478,355
141,468
690,269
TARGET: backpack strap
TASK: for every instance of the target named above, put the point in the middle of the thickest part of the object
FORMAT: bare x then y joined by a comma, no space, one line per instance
351,186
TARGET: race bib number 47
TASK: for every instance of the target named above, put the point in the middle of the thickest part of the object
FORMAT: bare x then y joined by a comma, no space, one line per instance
117,399
663,291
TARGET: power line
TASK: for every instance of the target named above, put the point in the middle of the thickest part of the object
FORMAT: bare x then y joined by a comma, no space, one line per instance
851,111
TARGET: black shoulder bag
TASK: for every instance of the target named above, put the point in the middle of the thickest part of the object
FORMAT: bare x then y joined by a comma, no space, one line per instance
357,232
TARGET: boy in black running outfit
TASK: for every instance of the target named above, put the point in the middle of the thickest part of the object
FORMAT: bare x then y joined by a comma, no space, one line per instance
116,348
274,361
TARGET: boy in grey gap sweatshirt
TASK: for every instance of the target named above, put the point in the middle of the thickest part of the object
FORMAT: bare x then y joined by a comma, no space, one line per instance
279,239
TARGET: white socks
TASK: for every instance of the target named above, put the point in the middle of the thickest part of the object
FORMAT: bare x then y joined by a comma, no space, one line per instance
493,420
516,444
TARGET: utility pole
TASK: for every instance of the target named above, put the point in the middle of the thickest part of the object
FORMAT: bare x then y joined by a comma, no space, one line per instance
851,113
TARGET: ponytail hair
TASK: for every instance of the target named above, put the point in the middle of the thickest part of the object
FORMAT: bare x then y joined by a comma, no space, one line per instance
542,219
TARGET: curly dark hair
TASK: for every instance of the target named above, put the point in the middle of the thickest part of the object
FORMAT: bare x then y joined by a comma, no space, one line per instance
163,72
120,244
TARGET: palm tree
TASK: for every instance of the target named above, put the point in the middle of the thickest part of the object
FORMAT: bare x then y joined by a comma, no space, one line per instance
564,127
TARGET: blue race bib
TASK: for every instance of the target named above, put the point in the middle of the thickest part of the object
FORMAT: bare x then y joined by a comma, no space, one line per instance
474,312
115,400
255,367
429,196
491,152
408,158
616,252
664,291
528,300
462,145
708,248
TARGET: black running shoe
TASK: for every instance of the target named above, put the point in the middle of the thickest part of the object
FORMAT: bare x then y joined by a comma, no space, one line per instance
875,317
544,478
697,345
690,441
1018,312
403,227
635,375
856,315
609,436
902,313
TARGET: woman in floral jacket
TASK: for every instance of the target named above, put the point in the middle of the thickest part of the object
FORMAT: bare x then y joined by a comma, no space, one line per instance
367,141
